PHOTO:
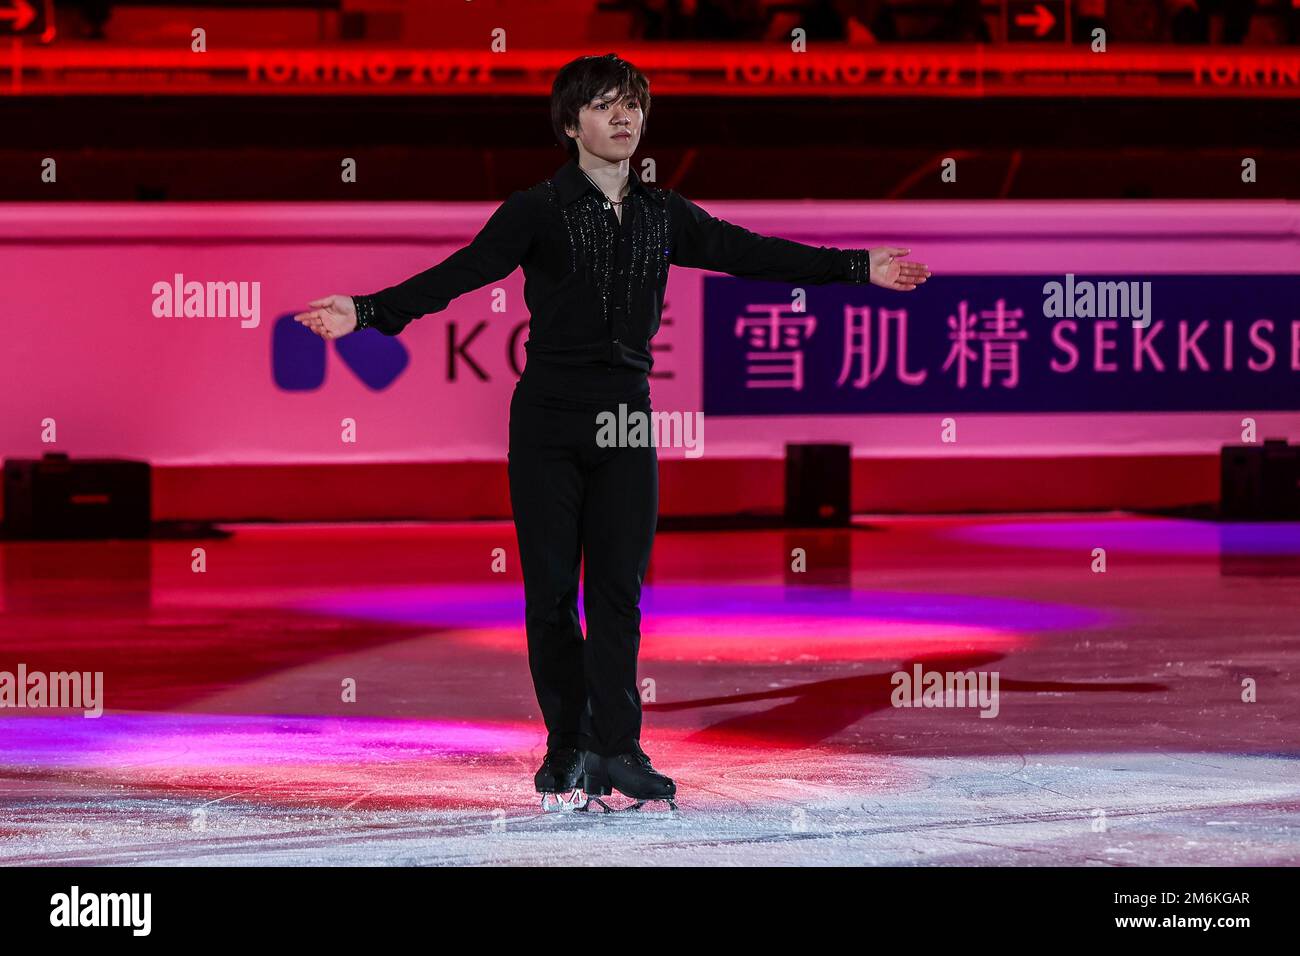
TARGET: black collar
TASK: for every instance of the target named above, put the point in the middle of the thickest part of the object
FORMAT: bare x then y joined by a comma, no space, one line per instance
571,182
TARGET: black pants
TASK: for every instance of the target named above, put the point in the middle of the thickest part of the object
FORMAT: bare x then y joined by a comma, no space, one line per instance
574,500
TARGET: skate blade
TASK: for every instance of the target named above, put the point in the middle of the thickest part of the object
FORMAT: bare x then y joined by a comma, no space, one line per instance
635,806
563,802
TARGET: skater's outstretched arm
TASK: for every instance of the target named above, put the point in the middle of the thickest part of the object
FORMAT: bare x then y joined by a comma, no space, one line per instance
703,241
493,254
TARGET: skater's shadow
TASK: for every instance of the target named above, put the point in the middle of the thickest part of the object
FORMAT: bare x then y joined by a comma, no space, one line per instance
819,710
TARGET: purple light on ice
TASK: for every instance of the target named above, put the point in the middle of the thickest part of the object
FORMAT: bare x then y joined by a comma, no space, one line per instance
1156,536
502,606
182,740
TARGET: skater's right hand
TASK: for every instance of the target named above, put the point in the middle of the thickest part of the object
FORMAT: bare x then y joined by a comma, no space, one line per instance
331,317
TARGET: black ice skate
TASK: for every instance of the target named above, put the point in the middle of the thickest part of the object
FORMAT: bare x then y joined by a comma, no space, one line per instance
558,777
631,775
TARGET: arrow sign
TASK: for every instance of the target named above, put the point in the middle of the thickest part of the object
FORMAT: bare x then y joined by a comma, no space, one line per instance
1036,21
1041,20
18,16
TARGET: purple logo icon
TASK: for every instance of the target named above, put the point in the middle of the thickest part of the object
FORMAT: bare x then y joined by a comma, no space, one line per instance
298,356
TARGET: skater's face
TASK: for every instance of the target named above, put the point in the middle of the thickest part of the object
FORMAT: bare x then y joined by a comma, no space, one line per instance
609,126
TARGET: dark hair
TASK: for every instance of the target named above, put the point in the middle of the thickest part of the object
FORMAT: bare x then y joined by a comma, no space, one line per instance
580,81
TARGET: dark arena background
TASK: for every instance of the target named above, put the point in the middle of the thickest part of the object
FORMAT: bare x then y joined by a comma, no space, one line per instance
1001,571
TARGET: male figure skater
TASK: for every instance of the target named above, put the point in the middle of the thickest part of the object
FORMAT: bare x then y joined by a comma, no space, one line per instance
595,243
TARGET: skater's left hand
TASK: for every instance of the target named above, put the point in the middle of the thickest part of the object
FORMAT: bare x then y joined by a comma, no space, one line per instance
889,273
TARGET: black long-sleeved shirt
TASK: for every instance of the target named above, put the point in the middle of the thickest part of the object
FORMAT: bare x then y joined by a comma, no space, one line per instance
594,286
